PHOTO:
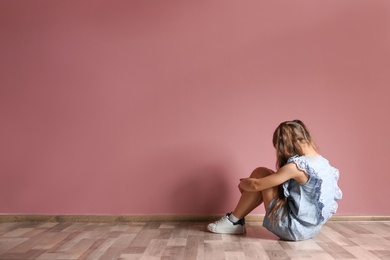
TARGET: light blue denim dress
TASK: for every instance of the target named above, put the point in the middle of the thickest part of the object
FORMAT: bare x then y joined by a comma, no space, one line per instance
311,204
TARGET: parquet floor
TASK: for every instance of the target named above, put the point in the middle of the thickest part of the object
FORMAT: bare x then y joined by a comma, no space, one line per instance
178,240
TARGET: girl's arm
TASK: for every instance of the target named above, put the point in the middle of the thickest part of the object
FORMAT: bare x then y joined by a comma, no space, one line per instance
287,172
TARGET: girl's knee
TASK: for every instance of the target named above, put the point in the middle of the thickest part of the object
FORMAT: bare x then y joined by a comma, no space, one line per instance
261,172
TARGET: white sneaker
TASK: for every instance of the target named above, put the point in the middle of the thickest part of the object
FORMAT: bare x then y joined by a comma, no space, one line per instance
225,226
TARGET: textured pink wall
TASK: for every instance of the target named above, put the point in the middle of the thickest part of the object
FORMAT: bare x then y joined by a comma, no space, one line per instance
141,107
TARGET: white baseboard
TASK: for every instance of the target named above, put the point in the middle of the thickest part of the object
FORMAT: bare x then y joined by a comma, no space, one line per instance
161,218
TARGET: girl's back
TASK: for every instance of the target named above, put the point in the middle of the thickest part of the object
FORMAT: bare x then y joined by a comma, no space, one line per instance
308,205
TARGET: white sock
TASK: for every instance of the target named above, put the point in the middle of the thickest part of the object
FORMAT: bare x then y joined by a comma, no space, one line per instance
233,218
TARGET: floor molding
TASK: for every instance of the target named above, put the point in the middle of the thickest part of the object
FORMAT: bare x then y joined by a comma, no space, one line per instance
160,218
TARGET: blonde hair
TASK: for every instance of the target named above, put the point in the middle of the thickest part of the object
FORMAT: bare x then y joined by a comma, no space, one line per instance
287,140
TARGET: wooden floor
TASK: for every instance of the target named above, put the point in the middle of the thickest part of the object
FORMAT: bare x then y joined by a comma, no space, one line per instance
178,240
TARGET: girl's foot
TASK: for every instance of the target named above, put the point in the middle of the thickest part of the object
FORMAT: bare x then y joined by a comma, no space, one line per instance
225,226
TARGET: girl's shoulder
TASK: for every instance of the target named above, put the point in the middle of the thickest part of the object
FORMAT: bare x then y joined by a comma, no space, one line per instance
304,159
312,165
309,163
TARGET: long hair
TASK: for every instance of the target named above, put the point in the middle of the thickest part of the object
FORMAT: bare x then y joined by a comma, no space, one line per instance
287,140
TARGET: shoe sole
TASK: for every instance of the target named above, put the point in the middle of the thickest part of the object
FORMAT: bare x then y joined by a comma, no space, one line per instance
227,232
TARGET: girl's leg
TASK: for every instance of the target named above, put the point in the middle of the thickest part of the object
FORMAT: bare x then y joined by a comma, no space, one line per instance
250,200
247,202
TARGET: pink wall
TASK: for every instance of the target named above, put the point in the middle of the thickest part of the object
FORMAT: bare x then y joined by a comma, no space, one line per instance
141,107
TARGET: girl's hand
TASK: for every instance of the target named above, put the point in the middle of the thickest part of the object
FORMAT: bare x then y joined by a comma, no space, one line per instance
246,184
239,187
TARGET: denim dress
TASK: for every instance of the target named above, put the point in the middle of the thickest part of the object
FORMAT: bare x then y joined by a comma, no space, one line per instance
309,205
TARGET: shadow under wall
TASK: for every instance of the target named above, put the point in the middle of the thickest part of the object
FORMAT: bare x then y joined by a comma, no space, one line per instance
205,190
194,179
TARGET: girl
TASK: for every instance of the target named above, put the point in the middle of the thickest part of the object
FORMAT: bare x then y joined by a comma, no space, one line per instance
299,198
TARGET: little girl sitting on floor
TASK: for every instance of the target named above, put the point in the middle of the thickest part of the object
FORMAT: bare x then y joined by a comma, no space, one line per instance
298,198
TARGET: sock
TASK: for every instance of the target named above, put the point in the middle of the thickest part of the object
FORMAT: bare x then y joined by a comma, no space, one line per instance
233,218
